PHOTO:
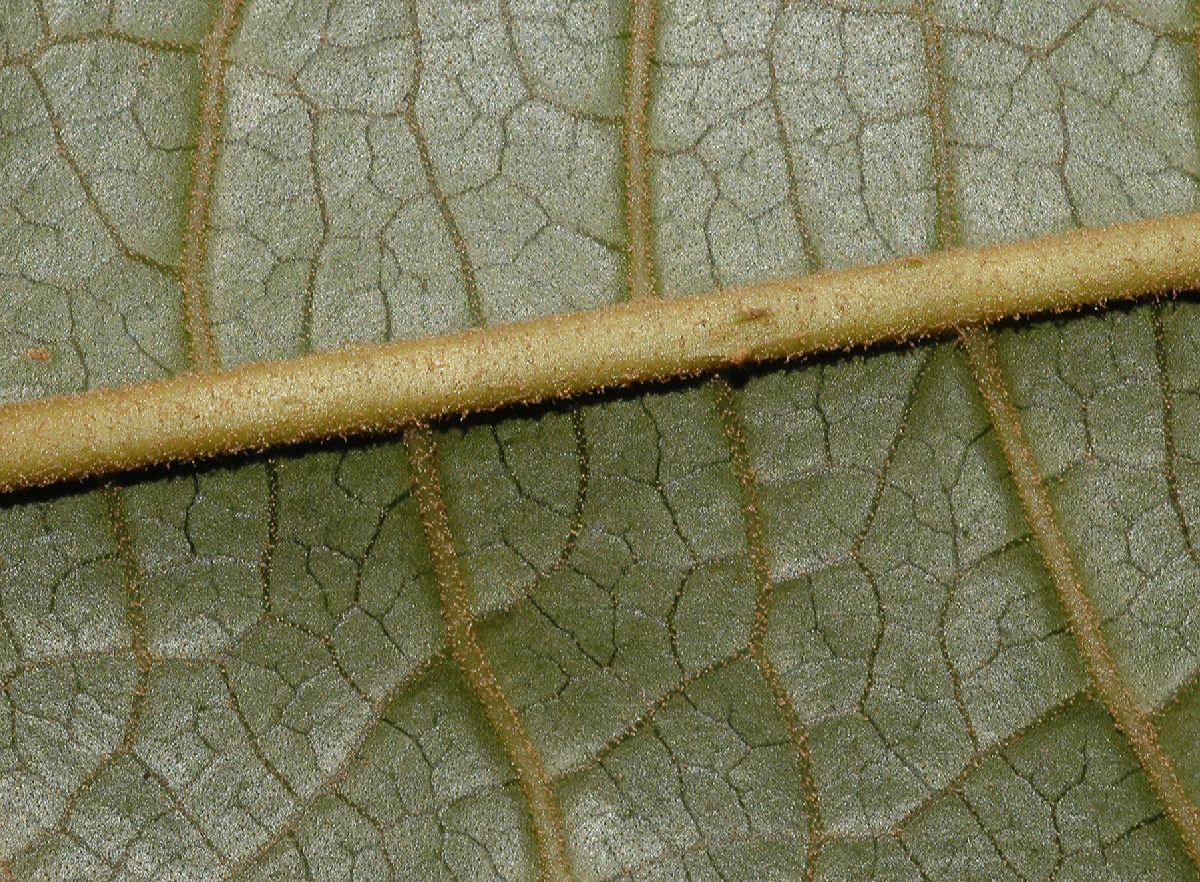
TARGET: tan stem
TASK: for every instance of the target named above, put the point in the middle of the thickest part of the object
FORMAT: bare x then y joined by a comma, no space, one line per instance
377,387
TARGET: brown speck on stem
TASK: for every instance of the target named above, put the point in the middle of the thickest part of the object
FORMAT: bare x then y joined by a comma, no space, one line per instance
38,353
381,385
753,314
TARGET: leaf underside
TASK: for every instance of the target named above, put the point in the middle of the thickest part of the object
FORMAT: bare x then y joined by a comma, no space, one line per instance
789,624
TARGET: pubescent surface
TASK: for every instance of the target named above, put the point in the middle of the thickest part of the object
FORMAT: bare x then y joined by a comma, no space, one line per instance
789,625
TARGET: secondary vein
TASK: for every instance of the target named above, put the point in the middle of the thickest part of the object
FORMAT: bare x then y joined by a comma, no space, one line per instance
477,670
143,662
1130,717
756,546
642,279
643,284
1134,723
202,348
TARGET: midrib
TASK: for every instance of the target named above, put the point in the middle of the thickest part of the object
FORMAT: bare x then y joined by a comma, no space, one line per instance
377,387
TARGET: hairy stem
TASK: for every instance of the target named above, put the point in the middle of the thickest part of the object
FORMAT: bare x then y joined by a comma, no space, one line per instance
378,387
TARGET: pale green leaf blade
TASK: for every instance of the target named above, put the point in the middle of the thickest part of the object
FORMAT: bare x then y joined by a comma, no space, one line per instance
796,628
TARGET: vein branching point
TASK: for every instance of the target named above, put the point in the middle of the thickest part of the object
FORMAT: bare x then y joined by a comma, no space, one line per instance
379,387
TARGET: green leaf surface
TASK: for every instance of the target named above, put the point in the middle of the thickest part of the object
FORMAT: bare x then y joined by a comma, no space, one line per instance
796,623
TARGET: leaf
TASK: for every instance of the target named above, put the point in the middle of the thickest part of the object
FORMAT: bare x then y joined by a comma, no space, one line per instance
899,615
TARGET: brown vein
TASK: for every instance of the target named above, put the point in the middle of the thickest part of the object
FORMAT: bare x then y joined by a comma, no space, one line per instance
808,245
1191,684
1134,722
136,617
753,842
529,80
522,754
998,748
43,17
248,733
581,495
314,169
457,240
89,195
477,671
645,717
946,223
143,660
731,423
1131,718
201,345
643,283
135,604
31,55
1170,454
333,780
642,278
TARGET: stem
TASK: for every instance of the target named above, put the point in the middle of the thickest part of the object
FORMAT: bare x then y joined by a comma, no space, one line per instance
378,387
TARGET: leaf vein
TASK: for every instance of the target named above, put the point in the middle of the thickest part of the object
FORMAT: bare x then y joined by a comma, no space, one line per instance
213,48
477,671
1132,720
642,276
1134,723
727,409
